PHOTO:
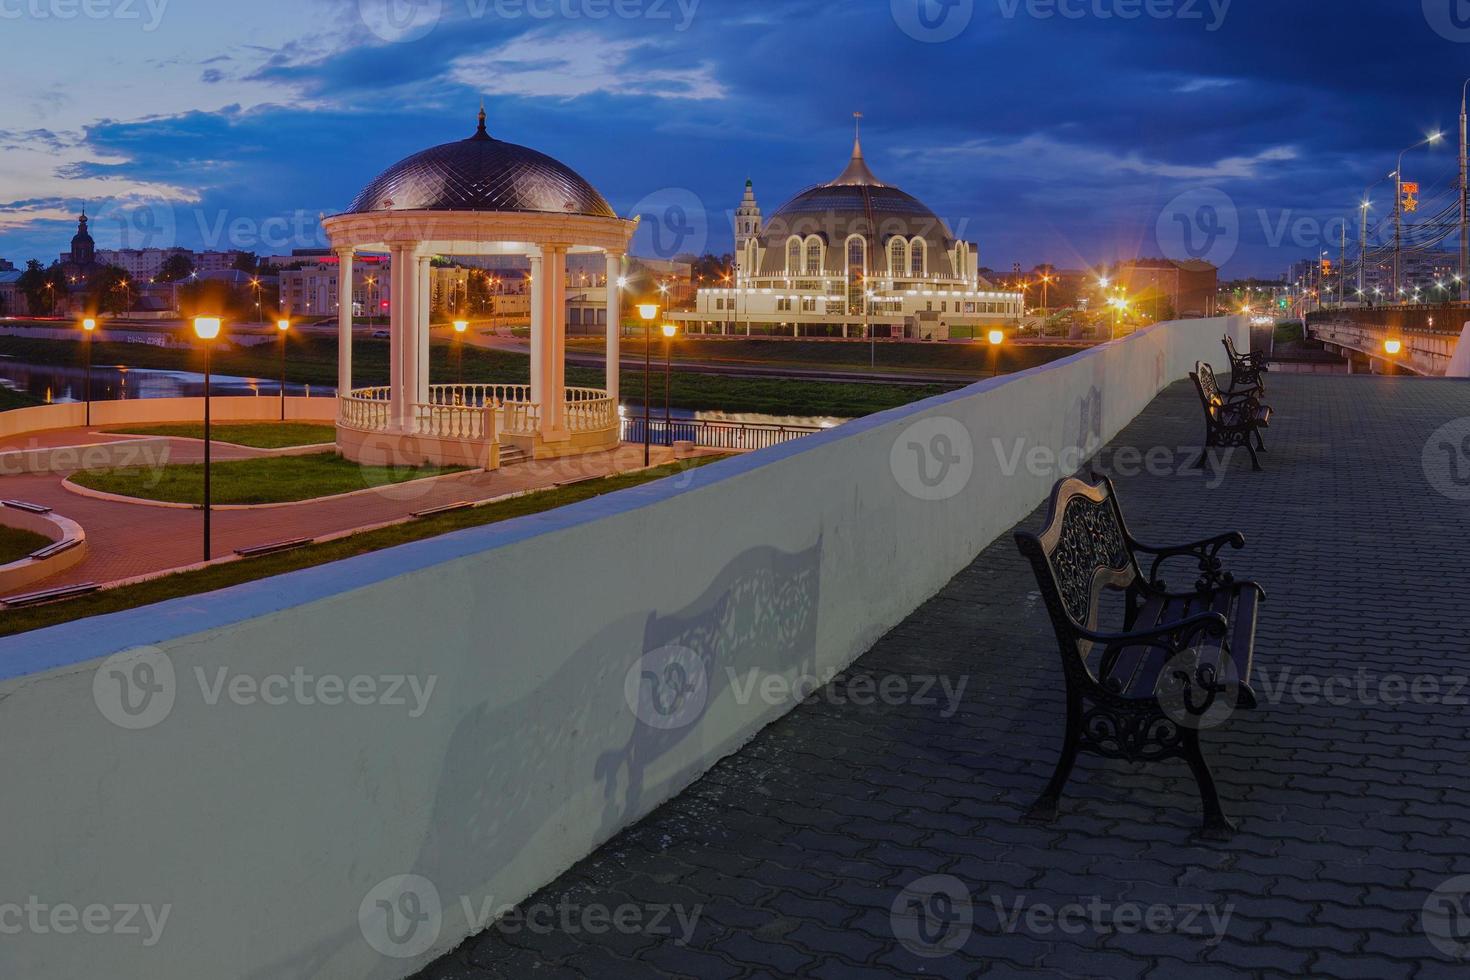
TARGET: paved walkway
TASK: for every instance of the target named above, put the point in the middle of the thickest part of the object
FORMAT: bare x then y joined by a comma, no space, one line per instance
125,540
1351,812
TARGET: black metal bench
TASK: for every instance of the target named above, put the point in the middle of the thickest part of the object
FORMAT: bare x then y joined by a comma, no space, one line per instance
1232,419
1180,661
1247,371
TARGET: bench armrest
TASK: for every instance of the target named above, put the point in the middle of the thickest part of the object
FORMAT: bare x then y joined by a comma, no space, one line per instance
1169,637
1212,574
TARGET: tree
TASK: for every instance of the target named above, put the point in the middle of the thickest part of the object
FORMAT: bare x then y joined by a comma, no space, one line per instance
42,287
246,262
109,291
176,267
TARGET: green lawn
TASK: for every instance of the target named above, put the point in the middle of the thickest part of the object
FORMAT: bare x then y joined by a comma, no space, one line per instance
15,544
269,480
257,435
250,569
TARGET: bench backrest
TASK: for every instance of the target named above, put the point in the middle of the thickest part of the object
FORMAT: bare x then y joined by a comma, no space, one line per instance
1081,551
1208,388
1230,350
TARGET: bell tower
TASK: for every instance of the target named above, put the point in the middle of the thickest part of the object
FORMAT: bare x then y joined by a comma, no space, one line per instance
747,226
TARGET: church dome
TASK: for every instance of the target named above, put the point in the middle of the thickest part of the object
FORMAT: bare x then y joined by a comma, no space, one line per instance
481,174
855,203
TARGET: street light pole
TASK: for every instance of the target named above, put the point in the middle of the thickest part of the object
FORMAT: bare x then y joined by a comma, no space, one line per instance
1464,200
284,326
648,311
89,325
207,329
669,331
1398,205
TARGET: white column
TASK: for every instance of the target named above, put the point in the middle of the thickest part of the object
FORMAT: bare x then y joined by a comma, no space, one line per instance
614,324
409,344
344,322
555,268
426,302
397,316
538,326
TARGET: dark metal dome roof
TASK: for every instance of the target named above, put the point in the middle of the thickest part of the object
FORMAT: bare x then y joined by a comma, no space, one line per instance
481,174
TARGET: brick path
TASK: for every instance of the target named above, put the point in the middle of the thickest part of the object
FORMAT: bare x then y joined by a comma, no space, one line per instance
126,540
1350,813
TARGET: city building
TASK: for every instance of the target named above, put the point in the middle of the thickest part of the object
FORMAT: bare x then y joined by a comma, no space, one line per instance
1164,288
142,264
12,300
6,265
848,258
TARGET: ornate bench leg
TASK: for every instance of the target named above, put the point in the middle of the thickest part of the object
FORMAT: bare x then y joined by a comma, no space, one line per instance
1044,810
1216,825
1255,460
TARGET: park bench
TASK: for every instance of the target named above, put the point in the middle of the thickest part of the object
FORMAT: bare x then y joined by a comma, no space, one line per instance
1247,371
1232,419
1180,662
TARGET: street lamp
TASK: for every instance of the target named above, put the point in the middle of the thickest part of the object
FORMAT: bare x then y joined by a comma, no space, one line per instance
207,329
460,326
283,325
649,313
670,331
1398,201
996,338
88,326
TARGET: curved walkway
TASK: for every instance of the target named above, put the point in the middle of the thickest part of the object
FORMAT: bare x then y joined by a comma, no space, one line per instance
126,540
792,854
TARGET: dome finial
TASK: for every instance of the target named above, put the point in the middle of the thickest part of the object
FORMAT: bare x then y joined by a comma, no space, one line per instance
480,132
857,137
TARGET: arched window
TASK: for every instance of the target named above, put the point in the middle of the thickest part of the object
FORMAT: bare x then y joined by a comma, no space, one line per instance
814,256
962,260
920,257
898,258
793,256
857,255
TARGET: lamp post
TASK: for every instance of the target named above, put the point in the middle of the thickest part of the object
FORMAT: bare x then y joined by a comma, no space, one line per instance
460,326
996,338
283,326
207,329
649,313
88,326
670,331
1398,202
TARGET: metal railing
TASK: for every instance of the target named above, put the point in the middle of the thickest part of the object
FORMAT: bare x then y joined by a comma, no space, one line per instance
734,436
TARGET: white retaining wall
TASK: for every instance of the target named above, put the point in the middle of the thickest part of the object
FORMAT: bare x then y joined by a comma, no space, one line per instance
153,411
265,829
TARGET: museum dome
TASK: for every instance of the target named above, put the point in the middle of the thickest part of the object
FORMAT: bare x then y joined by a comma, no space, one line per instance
481,173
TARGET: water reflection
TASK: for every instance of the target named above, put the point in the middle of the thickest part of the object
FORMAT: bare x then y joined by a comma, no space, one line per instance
110,382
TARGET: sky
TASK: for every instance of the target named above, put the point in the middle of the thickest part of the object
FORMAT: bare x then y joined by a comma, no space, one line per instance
1074,132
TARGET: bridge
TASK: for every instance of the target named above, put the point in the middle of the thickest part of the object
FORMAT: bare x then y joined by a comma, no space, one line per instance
1421,340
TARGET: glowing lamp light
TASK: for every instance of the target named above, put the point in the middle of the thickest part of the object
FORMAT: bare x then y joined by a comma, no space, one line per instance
648,311
89,324
996,337
283,325
670,330
460,326
622,282
207,327
1393,346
